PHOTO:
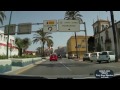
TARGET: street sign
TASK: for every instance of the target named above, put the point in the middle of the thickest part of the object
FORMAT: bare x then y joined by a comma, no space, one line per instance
50,25
68,26
24,28
12,29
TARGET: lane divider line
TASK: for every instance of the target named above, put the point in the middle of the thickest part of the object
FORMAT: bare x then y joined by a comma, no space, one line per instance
66,66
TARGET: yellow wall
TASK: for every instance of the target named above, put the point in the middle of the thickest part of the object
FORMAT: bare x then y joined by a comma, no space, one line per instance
72,43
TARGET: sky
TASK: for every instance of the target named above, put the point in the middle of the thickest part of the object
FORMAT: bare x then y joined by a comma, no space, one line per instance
59,38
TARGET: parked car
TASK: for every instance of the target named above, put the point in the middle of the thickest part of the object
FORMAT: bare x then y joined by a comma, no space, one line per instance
53,57
87,56
94,56
60,56
70,57
107,56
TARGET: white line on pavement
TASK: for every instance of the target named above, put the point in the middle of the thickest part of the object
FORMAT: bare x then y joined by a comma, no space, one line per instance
66,66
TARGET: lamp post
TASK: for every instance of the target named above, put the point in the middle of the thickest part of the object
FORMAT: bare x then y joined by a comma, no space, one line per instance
86,37
114,34
8,33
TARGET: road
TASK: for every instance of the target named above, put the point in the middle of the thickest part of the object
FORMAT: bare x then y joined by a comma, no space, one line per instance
69,68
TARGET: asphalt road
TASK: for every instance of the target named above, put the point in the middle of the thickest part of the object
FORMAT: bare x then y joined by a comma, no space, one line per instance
69,68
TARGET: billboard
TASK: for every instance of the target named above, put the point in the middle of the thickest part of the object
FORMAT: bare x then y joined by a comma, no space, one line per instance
68,26
24,28
12,29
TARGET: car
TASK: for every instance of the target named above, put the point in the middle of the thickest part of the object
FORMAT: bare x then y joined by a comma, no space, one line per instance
87,56
70,57
53,57
60,56
94,56
107,56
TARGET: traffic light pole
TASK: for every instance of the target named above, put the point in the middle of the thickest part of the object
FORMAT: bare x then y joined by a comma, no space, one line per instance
8,34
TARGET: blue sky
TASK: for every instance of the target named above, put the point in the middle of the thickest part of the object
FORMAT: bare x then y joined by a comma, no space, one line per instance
59,38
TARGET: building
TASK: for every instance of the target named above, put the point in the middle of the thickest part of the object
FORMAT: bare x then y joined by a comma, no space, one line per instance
61,50
103,33
12,48
30,52
81,44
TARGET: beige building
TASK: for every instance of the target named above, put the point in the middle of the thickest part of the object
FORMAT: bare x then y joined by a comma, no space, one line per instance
104,39
81,46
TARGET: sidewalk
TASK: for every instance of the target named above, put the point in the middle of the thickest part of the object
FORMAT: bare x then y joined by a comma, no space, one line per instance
16,69
79,59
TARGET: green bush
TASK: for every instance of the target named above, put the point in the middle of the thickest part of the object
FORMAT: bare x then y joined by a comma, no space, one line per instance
3,57
24,56
15,56
28,56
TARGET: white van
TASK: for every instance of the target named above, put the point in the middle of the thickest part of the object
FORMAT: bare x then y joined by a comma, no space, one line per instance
106,56
94,56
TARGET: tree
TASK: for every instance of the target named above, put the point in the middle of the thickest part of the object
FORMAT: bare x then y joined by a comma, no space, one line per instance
39,50
2,16
50,43
22,44
26,43
91,44
73,15
42,37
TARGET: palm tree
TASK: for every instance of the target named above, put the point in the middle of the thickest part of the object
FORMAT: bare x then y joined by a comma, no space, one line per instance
50,44
42,37
73,15
22,44
26,43
2,16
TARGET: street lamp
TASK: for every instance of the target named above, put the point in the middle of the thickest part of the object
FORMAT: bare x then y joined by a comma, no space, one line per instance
8,33
114,34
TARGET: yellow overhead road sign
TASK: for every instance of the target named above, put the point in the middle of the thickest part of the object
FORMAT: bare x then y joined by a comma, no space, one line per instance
50,25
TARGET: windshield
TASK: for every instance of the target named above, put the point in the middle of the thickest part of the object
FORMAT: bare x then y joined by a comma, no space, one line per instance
104,53
86,54
58,43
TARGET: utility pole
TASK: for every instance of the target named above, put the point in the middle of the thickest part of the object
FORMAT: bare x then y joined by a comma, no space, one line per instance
114,35
76,45
86,38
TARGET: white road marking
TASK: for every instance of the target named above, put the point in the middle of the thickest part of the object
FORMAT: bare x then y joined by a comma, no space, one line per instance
66,66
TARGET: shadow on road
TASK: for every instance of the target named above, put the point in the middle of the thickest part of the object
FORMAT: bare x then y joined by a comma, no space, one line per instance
62,65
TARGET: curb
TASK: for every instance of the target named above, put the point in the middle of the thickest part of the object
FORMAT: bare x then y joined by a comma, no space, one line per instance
23,69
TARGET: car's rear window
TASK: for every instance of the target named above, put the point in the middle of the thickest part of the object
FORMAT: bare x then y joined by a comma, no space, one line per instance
86,54
104,53
111,53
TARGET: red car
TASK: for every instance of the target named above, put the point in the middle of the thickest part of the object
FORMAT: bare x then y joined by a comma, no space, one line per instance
53,57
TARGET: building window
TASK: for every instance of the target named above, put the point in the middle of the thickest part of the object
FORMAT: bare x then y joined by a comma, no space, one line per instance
83,46
102,39
103,27
95,30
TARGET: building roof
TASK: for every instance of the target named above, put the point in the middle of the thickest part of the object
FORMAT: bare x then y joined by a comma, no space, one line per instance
100,20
